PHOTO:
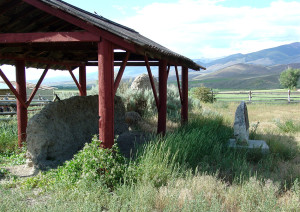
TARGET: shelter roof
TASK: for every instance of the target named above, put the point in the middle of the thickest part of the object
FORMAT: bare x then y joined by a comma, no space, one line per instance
31,16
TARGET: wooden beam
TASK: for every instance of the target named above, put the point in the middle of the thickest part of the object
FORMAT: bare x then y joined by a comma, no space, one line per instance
21,109
185,93
37,86
75,80
129,63
48,37
42,61
178,84
121,71
152,82
82,80
162,109
106,93
11,87
83,24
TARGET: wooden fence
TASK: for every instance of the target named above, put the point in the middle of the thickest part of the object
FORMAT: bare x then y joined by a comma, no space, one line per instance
259,96
8,104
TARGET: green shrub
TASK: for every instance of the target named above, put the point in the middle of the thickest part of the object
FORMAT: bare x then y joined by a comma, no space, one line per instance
92,163
288,126
203,94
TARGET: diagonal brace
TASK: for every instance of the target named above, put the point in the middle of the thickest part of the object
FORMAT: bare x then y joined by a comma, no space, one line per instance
37,85
178,83
75,80
11,87
152,82
121,71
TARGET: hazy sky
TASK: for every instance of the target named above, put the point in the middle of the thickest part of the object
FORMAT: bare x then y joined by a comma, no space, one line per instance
205,28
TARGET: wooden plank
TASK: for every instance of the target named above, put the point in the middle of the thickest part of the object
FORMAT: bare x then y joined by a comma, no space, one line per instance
48,37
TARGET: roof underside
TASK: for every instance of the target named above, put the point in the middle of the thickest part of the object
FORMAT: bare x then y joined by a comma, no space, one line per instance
17,16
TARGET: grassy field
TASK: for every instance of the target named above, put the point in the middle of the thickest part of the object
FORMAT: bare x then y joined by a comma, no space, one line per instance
190,169
268,96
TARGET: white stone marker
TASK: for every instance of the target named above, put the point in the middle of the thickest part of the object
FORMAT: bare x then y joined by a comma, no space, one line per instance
241,132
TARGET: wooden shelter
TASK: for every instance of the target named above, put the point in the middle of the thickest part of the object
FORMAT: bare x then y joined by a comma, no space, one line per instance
54,34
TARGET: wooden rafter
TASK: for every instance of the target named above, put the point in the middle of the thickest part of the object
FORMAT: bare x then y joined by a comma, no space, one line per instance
47,37
82,24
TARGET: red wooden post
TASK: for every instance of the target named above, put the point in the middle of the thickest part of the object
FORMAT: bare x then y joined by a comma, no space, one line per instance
106,92
82,80
21,110
162,109
185,93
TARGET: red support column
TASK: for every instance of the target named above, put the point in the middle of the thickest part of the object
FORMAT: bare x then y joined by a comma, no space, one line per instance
185,93
106,92
162,109
21,110
82,80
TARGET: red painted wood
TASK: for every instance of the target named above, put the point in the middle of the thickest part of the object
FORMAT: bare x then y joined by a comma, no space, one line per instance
168,71
185,90
75,80
106,93
47,37
162,109
178,83
11,87
152,82
82,80
121,71
37,86
82,24
21,110
37,60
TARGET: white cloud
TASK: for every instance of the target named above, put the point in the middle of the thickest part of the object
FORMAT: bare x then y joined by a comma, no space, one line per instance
205,28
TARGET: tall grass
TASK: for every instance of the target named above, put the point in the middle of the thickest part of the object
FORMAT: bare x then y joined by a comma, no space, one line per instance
8,136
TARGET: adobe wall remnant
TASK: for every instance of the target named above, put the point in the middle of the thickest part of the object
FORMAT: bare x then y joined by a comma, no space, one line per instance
62,128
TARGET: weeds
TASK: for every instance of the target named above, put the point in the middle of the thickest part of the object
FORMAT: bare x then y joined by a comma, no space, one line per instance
288,126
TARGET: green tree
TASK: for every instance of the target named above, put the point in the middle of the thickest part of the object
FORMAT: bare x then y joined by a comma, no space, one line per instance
204,94
289,78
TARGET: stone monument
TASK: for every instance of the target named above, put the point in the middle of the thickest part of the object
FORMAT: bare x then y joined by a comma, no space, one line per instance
241,132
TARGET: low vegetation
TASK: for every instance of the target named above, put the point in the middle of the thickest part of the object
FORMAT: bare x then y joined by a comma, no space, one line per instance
190,169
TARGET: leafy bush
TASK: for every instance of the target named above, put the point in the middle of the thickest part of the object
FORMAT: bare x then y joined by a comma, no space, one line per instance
289,78
204,94
288,126
92,163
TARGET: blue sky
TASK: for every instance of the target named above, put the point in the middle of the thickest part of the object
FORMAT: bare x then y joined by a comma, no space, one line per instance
205,28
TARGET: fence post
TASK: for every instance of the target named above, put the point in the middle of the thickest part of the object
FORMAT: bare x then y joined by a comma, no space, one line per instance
289,96
250,96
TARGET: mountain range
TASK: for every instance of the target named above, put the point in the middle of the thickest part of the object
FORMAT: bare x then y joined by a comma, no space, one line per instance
256,70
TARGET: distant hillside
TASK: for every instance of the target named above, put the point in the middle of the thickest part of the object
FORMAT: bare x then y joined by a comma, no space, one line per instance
285,54
244,76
